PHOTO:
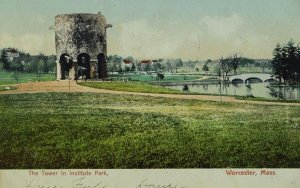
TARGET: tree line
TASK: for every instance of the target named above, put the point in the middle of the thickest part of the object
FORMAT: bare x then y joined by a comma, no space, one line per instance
24,62
114,64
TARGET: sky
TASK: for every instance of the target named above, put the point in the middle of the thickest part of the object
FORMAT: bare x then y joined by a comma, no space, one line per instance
149,29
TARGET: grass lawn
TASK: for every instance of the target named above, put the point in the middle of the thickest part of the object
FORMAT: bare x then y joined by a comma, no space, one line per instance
130,86
149,78
4,88
7,78
265,99
87,130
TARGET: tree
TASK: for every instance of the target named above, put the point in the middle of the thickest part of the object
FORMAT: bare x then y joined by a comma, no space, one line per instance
17,65
169,66
147,67
133,67
246,62
286,62
40,65
130,58
264,65
159,66
278,62
205,68
179,63
112,66
217,70
160,76
235,62
126,69
4,60
229,64
292,62
226,65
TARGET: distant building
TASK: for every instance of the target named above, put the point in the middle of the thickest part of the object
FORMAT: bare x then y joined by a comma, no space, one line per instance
126,63
146,65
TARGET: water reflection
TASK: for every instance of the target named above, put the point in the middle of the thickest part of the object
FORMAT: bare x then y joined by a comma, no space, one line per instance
264,90
249,90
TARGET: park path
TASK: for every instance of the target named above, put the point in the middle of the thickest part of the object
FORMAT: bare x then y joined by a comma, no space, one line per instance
72,86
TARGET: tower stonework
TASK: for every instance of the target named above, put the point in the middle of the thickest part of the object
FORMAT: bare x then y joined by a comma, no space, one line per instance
81,46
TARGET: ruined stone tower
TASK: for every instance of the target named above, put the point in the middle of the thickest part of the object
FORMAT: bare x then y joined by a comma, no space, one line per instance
81,46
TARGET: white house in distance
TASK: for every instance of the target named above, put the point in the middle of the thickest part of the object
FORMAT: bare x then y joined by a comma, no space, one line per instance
126,63
145,64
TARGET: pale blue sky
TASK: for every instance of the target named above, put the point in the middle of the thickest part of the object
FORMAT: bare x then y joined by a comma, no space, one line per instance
190,29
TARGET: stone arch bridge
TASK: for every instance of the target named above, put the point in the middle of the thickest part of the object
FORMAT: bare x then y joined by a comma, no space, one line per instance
252,78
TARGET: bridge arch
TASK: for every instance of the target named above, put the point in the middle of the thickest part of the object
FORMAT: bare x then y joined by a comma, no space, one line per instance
237,81
270,80
251,80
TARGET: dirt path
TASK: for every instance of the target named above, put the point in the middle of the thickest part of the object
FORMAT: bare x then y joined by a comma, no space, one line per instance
71,86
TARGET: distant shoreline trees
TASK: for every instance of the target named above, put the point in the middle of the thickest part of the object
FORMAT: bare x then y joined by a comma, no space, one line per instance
286,63
24,62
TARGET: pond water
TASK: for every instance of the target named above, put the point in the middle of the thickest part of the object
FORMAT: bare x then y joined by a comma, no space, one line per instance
264,90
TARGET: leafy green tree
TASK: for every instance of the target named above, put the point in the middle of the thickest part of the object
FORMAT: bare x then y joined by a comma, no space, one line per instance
292,62
286,62
4,60
277,62
127,69
147,67
112,66
160,76
40,65
246,62
265,65
133,67
217,70
205,68
169,66
179,63
159,66
130,58
17,65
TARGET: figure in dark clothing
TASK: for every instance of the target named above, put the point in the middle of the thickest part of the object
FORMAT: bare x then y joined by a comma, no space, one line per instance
185,87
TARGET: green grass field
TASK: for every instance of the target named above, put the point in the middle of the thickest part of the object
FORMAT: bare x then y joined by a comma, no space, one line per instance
85,130
130,86
4,88
150,78
7,78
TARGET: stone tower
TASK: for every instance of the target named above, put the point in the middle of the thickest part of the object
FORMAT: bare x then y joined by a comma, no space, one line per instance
81,46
